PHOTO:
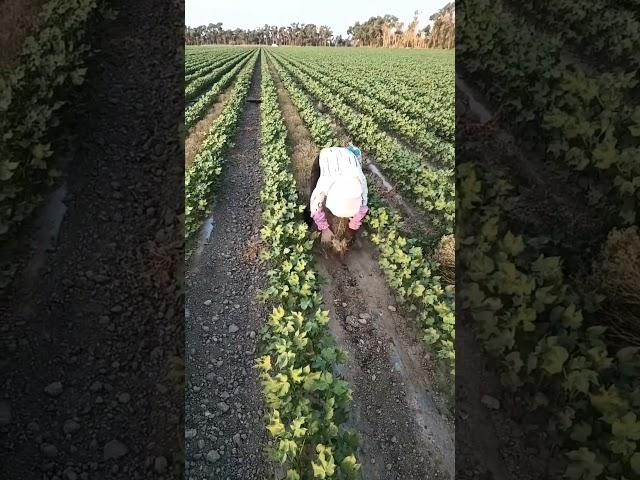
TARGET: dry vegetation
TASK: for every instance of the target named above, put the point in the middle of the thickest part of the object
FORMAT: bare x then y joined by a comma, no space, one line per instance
618,274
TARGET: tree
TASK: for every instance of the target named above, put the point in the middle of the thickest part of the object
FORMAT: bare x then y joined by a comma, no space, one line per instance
294,34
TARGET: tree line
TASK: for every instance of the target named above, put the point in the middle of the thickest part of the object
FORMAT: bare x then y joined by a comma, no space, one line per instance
380,31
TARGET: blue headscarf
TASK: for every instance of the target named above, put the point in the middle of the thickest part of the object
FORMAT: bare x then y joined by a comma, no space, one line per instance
355,150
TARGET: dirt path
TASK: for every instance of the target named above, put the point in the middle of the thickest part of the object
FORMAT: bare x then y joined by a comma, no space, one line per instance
225,434
94,326
405,434
405,430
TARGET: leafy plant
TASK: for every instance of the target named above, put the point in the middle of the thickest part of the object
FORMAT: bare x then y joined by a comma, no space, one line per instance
201,179
33,99
306,401
582,393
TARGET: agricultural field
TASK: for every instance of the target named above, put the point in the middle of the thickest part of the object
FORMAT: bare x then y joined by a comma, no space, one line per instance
293,350
548,189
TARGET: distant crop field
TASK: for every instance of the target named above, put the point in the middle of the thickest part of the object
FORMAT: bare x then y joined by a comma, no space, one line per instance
256,119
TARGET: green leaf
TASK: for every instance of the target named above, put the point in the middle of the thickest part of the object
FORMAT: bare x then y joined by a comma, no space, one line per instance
584,465
634,462
554,358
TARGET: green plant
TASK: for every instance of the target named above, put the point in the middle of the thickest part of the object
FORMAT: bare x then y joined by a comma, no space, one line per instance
33,99
201,179
581,393
306,401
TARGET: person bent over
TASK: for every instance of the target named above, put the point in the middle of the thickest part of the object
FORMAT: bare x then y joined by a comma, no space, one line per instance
341,189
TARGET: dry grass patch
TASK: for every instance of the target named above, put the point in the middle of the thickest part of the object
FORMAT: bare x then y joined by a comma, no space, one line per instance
618,275
445,255
252,250
198,133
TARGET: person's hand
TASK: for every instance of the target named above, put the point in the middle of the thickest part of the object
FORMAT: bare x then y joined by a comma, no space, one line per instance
326,236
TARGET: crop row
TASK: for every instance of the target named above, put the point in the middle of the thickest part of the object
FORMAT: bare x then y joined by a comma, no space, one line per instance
590,122
599,29
581,393
429,144
200,84
420,76
306,402
197,110
416,281
430,108
202,177
409,273
33,99
210,65
431,189
196,58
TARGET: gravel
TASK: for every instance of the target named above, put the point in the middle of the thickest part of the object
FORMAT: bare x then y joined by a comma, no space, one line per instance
114,449
54,389
102,314
222,284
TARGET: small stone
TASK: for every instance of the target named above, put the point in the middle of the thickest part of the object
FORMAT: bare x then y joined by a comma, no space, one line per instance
5,413
69,474
70,426
213,456
352,321
96,386
233,328
363,321
160,464
54,389
207,302
191,433
223,406
49,450
114,449
490,402
391,308
236,439
365,316
124,398
201,444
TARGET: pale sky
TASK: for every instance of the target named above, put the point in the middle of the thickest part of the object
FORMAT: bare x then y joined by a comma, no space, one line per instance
337,14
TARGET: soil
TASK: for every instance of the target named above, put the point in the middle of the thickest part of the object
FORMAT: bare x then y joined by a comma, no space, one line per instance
19,19
490,443
97,323
225,434
403,423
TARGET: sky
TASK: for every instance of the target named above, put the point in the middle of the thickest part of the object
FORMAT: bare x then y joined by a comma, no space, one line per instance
337,14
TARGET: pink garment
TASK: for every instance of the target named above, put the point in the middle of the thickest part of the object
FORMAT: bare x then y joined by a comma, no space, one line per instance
356,221
321,220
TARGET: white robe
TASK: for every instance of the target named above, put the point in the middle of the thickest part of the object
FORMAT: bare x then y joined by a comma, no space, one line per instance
336,162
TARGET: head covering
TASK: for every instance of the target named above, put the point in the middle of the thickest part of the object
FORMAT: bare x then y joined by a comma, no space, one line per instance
355,150
344,197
